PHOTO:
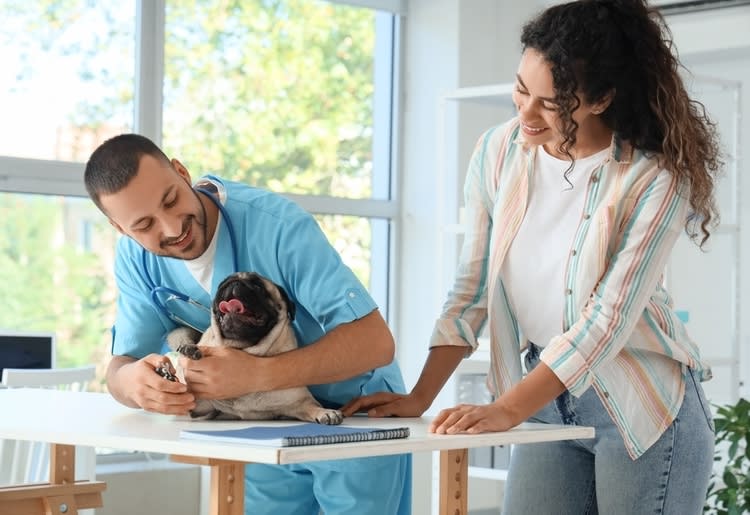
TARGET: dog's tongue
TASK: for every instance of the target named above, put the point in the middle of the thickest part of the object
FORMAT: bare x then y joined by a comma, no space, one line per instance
231,306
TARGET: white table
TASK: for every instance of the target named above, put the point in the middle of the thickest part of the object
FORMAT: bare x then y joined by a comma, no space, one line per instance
66,419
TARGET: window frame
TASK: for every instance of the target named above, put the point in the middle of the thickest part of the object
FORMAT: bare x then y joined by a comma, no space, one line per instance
50,177
63,178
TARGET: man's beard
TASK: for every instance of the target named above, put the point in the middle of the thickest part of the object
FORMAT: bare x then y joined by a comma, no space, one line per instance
201,225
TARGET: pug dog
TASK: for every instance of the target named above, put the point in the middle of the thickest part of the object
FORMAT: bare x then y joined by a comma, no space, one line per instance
251,313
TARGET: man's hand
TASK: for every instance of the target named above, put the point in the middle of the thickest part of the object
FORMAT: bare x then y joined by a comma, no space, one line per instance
224,373
386,404
137,384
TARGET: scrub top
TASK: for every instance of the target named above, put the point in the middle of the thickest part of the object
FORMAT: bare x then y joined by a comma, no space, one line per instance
276,238
273,237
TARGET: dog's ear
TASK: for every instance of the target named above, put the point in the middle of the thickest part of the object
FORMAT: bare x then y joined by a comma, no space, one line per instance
291,308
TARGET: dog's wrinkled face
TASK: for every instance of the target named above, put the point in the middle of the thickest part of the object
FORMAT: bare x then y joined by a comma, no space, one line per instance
247,306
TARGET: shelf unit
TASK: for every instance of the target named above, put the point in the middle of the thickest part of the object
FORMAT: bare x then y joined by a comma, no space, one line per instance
469,111
484,106
496,100
706,285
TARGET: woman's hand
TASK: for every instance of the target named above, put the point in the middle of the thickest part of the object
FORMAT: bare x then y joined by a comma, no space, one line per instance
532,393
386,404
471,418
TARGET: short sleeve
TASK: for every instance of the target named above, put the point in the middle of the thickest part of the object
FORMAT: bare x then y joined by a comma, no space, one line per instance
317,277
139,328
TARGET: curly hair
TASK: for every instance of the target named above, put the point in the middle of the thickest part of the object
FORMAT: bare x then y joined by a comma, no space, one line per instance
596,47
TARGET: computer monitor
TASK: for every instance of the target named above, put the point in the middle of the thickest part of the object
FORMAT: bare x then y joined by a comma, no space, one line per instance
26,350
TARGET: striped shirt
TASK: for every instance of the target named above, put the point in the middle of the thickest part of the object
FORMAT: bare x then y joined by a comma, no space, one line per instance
620,333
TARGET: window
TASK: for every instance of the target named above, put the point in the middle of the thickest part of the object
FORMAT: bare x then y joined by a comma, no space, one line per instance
50,282
277,94
294,96
67,76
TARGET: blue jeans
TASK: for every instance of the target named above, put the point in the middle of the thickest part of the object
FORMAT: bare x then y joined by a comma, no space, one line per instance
597,476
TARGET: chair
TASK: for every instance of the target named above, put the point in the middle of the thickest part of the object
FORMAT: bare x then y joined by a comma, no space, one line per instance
23,462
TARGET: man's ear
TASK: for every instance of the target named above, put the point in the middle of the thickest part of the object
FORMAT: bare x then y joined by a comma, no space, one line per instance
181,170
116,226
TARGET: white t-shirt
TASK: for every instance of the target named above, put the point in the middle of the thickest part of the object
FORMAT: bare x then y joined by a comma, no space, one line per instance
533,270
202,267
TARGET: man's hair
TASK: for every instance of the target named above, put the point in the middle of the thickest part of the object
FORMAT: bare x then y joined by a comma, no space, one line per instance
115,162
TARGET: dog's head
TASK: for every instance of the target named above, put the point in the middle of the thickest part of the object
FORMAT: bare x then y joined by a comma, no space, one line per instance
247,306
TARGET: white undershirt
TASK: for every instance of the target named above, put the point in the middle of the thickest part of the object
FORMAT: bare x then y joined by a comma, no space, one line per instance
533,271
202,267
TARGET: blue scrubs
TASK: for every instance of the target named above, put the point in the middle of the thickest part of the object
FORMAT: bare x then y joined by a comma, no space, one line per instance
275,238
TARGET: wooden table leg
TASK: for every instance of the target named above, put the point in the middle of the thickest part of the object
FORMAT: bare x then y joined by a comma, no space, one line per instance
454,482
62,464
62,471
61,496
227,484
227,489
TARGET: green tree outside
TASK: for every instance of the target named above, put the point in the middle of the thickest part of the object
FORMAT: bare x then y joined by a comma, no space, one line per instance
277,94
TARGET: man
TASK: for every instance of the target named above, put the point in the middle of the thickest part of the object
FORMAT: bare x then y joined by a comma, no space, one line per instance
185,240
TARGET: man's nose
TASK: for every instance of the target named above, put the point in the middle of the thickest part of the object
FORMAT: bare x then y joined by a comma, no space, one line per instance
171,226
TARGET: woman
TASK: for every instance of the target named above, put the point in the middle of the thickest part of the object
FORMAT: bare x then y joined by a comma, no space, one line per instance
573,209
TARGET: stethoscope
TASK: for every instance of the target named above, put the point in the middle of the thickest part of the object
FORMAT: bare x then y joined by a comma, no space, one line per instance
162,296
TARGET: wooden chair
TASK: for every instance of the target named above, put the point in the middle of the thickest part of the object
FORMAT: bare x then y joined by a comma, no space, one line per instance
28,484
24,462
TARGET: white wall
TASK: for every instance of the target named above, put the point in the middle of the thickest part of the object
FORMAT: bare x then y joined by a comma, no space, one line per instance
717,45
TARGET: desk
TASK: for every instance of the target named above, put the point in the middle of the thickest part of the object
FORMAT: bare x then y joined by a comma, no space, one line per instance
65,419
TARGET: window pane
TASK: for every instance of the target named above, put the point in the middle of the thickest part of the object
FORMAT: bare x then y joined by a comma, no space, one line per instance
363,246
352,238
56,258
275,94
66,81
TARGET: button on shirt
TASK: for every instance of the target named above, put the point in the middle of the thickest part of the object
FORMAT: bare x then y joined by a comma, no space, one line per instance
619,334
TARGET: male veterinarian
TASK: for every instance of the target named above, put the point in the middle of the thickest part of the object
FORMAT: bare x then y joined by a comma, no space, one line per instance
181,242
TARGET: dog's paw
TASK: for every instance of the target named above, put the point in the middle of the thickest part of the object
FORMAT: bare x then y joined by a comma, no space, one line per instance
330,417
190,351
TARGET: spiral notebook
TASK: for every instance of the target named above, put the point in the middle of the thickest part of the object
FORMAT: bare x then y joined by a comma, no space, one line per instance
296,435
